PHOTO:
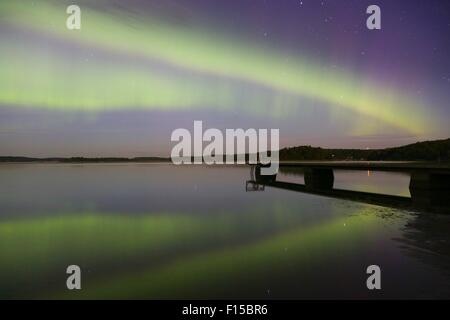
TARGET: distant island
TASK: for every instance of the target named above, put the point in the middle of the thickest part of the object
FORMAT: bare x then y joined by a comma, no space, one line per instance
437,150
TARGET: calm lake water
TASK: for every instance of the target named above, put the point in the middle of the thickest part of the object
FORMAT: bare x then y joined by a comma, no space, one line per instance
161,231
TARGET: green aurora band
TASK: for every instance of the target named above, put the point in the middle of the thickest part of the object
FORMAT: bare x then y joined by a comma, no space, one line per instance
43,81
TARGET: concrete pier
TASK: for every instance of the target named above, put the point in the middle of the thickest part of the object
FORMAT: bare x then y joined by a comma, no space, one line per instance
429,184
319,178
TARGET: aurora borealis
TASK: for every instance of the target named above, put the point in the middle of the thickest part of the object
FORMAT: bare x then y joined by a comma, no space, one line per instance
139,69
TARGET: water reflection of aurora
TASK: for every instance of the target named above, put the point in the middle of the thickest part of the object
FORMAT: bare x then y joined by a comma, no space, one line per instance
166,256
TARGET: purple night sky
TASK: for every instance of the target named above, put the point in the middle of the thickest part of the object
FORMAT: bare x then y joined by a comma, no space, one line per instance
409,57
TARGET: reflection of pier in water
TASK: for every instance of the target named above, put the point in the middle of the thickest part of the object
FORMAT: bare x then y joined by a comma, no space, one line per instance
429,184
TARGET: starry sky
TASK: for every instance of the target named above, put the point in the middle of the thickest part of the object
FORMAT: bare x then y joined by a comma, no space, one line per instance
139,69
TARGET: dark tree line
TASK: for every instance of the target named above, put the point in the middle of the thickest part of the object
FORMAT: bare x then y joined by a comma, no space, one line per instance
438,150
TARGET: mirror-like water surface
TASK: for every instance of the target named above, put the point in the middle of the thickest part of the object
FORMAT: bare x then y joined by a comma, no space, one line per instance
160,231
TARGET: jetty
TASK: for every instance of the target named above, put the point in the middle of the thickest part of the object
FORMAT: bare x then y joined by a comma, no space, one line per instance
429,183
